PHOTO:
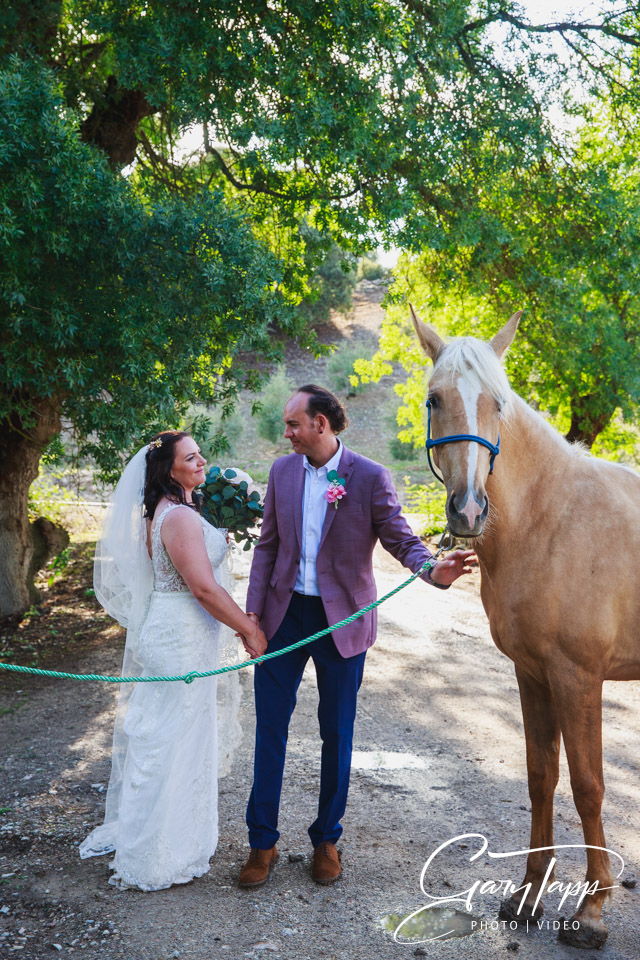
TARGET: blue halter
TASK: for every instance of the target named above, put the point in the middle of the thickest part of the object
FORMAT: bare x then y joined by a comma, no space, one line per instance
493,448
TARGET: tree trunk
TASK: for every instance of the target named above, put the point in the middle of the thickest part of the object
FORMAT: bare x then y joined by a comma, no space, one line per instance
20,452
585,425
113,122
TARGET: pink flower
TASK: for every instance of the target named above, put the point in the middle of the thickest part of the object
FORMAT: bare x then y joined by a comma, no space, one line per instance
335,492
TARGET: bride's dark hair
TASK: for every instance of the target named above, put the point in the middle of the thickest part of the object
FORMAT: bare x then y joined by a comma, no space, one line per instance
159,482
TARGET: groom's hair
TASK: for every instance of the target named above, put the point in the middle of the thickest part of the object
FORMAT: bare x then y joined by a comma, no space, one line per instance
321,401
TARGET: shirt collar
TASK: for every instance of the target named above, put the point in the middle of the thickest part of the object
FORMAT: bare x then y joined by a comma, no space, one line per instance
329,465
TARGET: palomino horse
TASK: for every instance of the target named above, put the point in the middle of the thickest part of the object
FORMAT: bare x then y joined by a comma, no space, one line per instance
564,610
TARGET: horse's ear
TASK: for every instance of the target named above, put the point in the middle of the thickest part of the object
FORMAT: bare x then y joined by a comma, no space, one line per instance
504,337
430,342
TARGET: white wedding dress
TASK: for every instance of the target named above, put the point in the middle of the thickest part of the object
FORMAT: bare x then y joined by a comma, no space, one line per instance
162,807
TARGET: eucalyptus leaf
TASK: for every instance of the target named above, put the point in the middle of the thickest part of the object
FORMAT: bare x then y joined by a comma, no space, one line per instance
228,505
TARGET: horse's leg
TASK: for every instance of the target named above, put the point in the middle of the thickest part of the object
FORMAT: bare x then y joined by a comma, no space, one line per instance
579,703
542,733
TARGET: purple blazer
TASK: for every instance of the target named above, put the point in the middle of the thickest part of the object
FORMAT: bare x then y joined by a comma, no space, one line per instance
369,512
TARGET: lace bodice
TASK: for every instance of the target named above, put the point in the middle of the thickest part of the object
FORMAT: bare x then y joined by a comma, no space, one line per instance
166,578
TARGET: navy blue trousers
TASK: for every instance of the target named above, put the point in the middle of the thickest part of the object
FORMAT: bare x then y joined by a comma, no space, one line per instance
276,683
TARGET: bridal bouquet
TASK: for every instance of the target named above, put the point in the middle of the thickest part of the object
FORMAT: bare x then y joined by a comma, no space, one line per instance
230,503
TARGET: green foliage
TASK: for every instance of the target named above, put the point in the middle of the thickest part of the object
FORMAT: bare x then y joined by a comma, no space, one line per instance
569,232
229,505
47,496
430,500
123,309
400,450
124,300
619,441
340,368
398,344
570,257
219,430
271,405
331,285
370,269
355,116
54,453
331,113
57,565
354,121
31,612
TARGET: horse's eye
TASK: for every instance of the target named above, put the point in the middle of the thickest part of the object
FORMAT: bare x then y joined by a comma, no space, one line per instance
433,401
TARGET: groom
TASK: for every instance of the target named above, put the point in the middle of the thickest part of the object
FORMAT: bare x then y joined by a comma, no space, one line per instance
312,567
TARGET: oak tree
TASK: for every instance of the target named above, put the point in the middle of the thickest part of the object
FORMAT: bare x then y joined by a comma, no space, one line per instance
136,277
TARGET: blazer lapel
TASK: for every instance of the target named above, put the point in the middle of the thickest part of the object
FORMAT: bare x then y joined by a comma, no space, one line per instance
345,469
297,494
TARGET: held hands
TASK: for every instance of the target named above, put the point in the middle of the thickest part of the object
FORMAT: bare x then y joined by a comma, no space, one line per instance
254,641
457,563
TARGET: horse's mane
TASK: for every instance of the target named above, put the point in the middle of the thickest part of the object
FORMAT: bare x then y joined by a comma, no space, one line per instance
477,363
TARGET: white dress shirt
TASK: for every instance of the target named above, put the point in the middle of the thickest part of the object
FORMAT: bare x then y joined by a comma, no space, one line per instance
314,509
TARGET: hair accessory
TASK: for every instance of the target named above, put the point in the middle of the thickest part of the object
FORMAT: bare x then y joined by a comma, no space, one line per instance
155,443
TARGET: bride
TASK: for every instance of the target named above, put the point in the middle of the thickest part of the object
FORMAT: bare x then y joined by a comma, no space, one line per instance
159,570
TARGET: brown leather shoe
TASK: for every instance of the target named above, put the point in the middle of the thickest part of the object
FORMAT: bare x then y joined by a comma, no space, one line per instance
326,864
256,870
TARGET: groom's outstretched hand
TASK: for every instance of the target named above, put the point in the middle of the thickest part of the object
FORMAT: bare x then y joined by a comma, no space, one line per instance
456,565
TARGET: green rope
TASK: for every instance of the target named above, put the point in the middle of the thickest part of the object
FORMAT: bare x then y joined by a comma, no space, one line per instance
190,677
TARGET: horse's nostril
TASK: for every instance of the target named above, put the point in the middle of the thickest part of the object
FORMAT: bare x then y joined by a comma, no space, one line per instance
468,510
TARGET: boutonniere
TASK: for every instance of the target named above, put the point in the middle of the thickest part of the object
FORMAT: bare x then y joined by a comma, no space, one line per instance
336,489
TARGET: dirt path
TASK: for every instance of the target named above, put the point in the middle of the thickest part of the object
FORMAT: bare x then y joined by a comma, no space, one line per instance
439,754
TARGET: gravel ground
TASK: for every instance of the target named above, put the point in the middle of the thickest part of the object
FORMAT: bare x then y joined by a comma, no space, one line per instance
439,753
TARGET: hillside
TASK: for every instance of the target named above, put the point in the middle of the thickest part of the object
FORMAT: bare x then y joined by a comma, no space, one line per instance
371,413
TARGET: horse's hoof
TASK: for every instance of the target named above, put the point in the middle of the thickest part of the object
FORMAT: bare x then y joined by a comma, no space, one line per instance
509,911
588,936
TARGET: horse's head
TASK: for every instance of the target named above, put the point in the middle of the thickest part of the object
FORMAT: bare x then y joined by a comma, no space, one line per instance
468,394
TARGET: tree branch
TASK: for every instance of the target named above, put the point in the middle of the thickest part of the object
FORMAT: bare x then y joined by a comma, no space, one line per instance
503,16
263,188
593,66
